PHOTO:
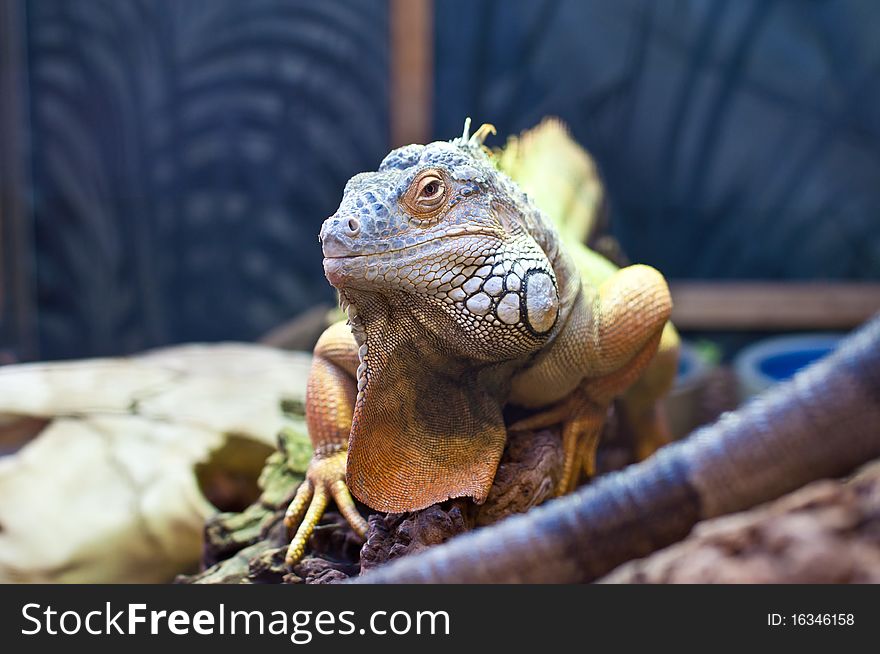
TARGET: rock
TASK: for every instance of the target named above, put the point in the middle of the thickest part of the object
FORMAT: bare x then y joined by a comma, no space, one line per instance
316,570
393,535
527,476
115,463
826,532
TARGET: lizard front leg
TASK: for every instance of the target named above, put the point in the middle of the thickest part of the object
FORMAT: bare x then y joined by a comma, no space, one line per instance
628,318
330,397
641,406
609,341
582,415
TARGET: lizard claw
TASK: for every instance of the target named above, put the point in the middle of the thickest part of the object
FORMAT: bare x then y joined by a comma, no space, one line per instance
325,480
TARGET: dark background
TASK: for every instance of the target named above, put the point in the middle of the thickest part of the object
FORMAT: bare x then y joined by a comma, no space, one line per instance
167,163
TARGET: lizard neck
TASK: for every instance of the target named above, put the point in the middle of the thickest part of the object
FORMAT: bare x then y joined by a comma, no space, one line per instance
427,426
392,333
552,374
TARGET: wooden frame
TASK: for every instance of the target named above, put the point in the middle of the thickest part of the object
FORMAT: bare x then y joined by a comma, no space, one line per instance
412,71
773,306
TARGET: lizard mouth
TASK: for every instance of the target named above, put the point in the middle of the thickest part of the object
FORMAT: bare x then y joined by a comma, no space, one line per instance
329,254
349,268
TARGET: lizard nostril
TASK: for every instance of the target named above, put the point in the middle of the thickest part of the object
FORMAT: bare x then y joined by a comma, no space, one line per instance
354,226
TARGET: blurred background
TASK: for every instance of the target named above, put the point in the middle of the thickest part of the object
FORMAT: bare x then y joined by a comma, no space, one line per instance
166,164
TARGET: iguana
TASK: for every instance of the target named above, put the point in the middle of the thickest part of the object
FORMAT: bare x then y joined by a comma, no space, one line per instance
462,298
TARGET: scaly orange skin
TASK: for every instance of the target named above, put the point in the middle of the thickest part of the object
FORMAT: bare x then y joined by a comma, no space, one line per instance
461,299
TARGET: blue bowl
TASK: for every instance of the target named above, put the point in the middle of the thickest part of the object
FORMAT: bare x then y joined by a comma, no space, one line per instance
782,366
768,362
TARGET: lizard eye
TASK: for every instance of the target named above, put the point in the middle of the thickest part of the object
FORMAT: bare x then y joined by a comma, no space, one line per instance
427,195
430,188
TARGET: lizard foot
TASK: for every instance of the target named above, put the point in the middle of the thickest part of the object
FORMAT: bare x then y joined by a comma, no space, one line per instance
581,421
325,479
580,440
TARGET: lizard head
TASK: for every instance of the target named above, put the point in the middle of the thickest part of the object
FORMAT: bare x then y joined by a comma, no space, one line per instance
440,233
445,269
